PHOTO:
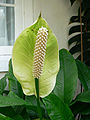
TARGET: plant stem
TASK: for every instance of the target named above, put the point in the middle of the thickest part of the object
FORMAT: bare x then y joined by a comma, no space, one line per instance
79,117
38,97
81,31
81,37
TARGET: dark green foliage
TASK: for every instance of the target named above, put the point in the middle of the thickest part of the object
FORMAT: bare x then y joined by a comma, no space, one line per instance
57,109
59,105
76,39
85,117
3,84
14,85
83,74
81,104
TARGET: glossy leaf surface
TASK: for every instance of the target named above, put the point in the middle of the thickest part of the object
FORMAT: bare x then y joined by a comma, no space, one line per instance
57,109
67,77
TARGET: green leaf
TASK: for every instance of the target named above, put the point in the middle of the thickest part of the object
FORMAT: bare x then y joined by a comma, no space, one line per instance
85,117
14,85
3,117
23,60
7,111
57,109
32,101
39,119
14,100
81,108
75,49
74,19
66,83
84,97
76,28
76,38
86,57
82,103
25,115
83,74
17,117
3,84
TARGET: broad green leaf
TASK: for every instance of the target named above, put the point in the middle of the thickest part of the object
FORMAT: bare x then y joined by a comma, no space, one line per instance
3,117
14,100
57,109
32,101
23,59
3,84
7,111
14,85
82,103
66,83
25,115
18,117
84,97
83,74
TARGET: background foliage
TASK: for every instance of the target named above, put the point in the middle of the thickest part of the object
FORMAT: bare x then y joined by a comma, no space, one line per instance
75,33
59,105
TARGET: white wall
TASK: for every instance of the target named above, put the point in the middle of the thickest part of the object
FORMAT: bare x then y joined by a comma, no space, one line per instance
57,13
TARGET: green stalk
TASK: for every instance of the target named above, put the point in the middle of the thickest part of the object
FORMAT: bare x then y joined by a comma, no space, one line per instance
38,97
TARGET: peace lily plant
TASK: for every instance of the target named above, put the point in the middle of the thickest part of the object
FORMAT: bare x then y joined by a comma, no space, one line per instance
35,59
35,90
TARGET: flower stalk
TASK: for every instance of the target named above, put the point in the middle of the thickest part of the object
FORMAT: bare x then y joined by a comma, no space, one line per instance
38,98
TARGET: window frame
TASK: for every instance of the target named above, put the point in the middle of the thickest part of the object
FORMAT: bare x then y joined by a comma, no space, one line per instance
23,19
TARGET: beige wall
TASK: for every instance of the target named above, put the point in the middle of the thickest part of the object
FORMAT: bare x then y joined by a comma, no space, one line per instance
57,13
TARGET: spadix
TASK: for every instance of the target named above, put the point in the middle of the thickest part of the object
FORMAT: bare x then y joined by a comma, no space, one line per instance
40,51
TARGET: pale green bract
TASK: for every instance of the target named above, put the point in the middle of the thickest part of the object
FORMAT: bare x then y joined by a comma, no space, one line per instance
22,60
